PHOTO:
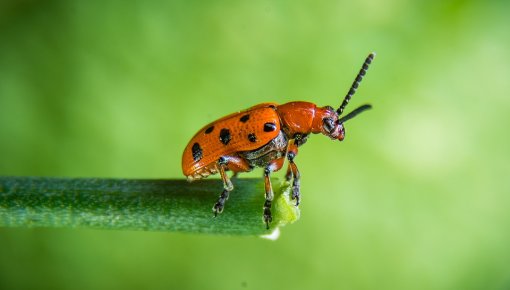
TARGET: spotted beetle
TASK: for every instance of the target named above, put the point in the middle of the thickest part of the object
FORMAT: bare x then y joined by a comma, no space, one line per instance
262,136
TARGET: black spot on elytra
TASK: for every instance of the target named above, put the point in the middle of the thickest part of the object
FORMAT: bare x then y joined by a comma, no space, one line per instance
209,130
252,137
197,152
245,118
269,127
225,136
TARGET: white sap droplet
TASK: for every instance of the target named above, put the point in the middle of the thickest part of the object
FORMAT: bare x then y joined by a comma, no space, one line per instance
272,236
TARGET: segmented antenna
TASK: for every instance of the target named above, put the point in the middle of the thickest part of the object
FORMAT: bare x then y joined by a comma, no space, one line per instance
354,113
356,82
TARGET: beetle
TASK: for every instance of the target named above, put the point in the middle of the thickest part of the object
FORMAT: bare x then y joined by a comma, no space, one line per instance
263,136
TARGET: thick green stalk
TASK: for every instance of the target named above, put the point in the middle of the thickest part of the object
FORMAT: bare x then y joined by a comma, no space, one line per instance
151,205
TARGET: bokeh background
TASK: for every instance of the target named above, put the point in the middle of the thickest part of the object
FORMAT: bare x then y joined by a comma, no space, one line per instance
416,197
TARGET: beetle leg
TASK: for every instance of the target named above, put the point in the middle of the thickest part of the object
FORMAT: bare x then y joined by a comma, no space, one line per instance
291,154
227,187
237,164
288,175
275,165
294,149
269,197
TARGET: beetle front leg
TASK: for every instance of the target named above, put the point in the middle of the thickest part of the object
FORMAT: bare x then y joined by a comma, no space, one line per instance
291,154
227,187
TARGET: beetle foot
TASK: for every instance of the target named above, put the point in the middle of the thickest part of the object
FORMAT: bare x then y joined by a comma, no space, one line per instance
220,204
296,194
268,218
217,209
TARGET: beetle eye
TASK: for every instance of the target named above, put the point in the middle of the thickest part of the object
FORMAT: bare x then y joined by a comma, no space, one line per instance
328,124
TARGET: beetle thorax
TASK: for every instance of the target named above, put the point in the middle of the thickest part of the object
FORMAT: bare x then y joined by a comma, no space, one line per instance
297,118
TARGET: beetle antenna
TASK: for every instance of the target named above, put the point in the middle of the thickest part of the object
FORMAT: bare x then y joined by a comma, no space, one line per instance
355,84
354,113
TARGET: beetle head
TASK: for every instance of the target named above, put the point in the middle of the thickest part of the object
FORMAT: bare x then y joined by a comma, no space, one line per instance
327,121
333,126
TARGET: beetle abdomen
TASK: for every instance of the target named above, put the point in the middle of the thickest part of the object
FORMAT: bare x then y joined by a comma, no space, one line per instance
203,172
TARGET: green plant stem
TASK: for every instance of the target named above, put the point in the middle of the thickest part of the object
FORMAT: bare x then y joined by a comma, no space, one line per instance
151,205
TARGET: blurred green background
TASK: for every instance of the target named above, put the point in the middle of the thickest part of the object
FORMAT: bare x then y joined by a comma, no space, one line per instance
416,197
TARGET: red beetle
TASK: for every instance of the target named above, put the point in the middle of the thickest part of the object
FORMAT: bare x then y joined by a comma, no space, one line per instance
262,136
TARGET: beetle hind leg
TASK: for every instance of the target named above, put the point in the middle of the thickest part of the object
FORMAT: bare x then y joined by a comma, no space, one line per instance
227,187
236,164
220,204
